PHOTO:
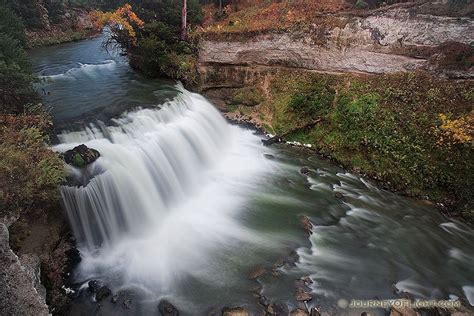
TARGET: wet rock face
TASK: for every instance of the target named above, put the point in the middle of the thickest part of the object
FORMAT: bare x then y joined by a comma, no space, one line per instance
57,266
167,309
32,265
80,156
18,295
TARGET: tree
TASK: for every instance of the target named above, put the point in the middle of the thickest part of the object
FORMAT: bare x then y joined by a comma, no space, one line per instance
123,24
184,13
12,25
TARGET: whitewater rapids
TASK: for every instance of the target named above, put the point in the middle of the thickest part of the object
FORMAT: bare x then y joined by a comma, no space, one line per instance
165,193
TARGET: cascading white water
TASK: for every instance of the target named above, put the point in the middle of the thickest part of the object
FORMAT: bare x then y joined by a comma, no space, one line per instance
149,160
164,192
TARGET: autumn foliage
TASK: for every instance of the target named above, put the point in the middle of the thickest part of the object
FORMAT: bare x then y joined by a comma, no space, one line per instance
29,171
267,15
123,24
456,131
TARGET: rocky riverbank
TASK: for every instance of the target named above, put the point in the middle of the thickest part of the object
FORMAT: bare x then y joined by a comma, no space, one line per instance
74,25
21,292
39,255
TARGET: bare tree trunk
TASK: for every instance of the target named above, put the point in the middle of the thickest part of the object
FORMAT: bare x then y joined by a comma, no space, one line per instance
184,14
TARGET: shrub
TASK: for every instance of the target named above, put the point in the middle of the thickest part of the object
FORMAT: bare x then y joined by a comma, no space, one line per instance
391,124
314,102
249,96
29,172
361,4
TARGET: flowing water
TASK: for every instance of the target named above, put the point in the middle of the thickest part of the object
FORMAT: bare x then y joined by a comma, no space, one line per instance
183,206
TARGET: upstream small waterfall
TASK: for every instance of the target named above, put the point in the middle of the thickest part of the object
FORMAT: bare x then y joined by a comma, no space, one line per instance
151,159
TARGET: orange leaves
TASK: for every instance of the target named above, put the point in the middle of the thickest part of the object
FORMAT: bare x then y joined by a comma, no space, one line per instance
122,22
456,131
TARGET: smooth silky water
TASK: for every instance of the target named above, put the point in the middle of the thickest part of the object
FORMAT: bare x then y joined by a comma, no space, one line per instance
181,205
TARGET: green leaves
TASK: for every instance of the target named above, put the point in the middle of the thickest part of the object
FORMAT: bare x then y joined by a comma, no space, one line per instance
382,126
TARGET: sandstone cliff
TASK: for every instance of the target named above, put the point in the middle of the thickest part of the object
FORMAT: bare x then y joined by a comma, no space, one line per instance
385,41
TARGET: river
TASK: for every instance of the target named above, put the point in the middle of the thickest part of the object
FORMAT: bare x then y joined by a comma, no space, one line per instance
183,206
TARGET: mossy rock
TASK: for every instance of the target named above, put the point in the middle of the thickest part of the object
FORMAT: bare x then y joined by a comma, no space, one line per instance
81,156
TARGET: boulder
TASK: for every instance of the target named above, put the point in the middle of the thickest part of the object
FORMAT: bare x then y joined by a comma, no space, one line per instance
403,310
314,312
303,296
277,310
238,311
299,312
273,140
80,156
167,309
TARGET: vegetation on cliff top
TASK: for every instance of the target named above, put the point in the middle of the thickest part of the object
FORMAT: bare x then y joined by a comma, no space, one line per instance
258,16
410,131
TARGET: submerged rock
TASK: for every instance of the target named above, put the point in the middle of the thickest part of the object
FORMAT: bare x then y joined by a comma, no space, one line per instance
80,156
93,286
167,309
305,222
304,170
127,303
258,272
339,195
102,293
115,298
238,311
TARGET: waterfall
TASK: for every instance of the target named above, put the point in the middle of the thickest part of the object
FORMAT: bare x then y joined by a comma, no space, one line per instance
150,160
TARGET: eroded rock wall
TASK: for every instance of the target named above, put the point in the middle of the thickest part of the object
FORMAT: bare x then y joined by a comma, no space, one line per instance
386,41
19,283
